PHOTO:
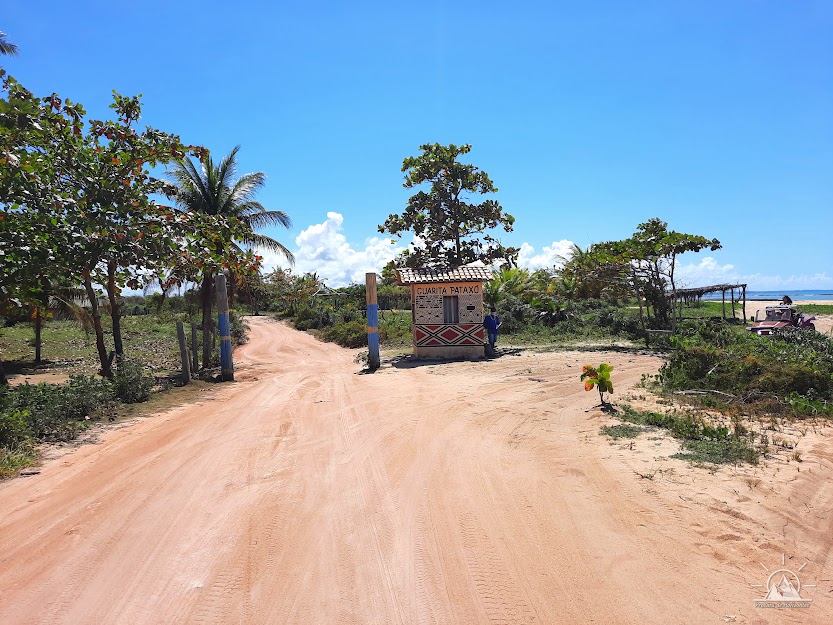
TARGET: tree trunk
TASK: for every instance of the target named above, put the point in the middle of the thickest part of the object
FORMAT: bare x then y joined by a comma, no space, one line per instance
207,321
95,313
3,379
38,333
115,311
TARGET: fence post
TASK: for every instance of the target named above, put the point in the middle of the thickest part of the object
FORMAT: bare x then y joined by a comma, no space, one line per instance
195,366
183,352
372,322
226,364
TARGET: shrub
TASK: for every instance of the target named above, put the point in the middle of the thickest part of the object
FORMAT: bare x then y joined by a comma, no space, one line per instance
239,329
55,412
766,369
130,383
14,428
308,319
347,334
600,378
395,327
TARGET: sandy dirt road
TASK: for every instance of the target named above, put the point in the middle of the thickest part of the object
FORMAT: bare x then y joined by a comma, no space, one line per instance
463,493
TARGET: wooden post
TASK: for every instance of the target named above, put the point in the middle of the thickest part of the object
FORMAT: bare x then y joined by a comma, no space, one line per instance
373,360
195,366
673,311
723,295
744,303
226,364
183,352
733,303
38,334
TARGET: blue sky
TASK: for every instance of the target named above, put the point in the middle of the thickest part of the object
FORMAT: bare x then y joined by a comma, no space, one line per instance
590,117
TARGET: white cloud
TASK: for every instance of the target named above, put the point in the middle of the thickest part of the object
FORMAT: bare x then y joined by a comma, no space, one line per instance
323,249
708,271
549,256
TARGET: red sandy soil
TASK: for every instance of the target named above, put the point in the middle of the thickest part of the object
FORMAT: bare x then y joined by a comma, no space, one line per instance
467,492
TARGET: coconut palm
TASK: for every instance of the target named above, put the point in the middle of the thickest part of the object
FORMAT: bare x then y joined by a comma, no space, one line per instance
7,47
214,189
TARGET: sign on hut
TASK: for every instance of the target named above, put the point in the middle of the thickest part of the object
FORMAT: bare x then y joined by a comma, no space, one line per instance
447,310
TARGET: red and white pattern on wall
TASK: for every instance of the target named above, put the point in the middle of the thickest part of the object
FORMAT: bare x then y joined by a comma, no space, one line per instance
440,335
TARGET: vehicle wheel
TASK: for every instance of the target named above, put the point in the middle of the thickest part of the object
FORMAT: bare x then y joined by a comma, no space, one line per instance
810,326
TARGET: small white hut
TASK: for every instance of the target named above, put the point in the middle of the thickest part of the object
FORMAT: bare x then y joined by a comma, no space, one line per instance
447,310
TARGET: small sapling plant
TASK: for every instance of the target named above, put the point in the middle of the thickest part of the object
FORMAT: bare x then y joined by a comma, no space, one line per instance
598,377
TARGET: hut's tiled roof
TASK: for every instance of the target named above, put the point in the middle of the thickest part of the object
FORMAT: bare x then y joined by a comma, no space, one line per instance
466,273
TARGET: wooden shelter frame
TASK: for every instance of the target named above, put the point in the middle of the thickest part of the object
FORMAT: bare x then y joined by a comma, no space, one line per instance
688,296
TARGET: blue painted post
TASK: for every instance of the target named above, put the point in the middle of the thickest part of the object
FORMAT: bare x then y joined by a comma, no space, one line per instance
226,363
373,360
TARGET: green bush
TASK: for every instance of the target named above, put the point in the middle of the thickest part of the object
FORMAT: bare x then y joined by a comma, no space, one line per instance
309,319
55,412
14,428
347,334
395,327
130,383
790,363
239,329
548,319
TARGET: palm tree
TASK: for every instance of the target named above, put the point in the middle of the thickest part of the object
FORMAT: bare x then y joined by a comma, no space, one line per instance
7,47
213,190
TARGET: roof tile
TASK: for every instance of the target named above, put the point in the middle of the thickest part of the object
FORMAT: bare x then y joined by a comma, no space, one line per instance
466,273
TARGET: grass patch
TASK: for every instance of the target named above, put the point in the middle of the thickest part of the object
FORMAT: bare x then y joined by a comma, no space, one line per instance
147,338
17,458
711,309
725,451
817,309
624,430
701,441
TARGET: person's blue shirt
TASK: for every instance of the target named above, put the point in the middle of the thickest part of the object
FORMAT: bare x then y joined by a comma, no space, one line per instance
491,322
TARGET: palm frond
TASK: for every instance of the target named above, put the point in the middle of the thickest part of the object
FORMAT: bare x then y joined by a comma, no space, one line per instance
247,186
7,47
213,191
262,219
256,239
227,168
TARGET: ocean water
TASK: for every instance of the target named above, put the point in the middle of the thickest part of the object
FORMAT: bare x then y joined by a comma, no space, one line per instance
819,294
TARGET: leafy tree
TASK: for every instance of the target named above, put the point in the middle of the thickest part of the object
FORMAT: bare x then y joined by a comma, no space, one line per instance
59,299
443,218
213,190
583,276
290,292
642,265
6,46
79,194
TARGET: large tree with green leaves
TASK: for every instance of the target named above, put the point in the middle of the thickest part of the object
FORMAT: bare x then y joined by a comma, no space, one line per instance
79,194
454,230
214,189
644,264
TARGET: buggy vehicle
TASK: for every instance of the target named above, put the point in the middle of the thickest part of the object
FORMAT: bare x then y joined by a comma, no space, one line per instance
777,317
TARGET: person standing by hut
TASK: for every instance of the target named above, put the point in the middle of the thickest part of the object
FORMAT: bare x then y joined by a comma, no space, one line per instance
492,323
